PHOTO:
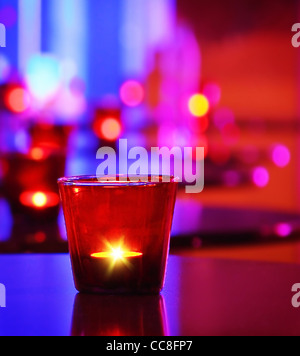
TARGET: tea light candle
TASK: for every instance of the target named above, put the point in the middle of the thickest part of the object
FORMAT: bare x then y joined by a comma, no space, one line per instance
116,254
114,268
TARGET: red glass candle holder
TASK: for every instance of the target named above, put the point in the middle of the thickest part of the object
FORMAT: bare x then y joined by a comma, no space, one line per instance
118,232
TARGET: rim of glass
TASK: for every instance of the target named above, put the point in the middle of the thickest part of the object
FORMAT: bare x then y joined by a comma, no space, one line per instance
117,180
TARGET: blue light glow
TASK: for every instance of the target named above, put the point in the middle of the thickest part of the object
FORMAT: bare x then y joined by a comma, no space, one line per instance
43,76
6,221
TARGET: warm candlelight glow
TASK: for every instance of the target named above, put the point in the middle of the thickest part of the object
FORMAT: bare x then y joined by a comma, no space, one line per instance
37,153
118,232
116,254
39,200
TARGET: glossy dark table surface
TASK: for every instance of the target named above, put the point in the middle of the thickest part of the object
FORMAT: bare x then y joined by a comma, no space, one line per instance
201,297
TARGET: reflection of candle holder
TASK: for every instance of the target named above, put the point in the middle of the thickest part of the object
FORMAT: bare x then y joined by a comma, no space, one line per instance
29,185
30,182
99,315
118,232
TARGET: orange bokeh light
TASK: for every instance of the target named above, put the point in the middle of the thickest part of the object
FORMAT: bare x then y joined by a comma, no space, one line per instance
17,100
39,200
110,129
37,153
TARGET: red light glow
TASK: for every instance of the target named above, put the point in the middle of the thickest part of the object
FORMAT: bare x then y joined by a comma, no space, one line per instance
132,93
17,100
109,128
37,153
39,200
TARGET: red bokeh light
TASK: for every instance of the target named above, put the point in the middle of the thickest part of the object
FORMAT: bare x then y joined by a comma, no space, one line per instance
39,200
17,100
37,153
108,128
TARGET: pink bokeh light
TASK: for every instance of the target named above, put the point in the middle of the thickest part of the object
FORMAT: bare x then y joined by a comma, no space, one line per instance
283,229
212,91
222,117
281,156
260,177
132,93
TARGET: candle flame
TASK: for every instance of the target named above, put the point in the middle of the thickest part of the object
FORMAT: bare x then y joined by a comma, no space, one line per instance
116,254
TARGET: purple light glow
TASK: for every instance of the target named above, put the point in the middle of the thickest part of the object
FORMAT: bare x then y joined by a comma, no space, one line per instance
132,93
222,117
283,229
8,16
231,178
260,177
212,92
4,69
281,155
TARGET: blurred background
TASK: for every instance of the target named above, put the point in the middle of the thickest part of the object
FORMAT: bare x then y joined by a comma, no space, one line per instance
76,75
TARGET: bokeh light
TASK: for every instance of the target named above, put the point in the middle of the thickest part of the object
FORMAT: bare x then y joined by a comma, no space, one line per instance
69,104
230,134
39,200
283,229
8,16
198,105
219,154
212,92
37,153
260,177
281,155
43,76
222,117
202,124
4,69
132,93
17,100
231,178
110,129
6,220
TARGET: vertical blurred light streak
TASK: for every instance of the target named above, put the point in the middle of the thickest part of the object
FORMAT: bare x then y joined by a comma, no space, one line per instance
6,221
103,48
132,36
145,26
67,32
29,42
164,14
